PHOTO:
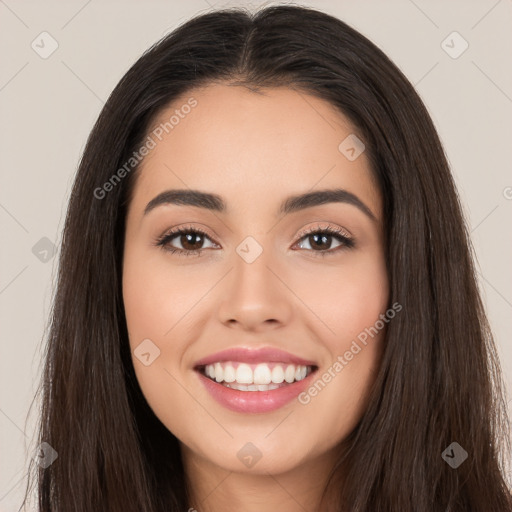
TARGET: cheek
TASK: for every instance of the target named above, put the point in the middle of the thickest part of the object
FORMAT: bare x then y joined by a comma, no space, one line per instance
346,299
156,296
362,297
155,308
350,302
146,303
156,302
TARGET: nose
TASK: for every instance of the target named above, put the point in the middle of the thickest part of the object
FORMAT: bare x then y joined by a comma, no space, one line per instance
255,296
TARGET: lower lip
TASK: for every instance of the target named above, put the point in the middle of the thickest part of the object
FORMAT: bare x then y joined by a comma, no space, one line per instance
254,401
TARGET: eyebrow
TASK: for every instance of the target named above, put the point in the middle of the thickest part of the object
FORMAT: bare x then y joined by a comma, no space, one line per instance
292,204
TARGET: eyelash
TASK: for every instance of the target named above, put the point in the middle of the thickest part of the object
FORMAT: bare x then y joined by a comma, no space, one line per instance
347,242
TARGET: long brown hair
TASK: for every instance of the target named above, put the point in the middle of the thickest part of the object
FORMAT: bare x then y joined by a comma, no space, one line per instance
439,381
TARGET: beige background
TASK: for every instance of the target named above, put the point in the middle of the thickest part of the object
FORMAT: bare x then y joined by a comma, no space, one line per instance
48,107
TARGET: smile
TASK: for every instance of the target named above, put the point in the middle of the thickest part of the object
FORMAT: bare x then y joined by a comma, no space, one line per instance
254,388
255,377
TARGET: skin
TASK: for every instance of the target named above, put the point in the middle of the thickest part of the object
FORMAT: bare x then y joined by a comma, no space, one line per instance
255,150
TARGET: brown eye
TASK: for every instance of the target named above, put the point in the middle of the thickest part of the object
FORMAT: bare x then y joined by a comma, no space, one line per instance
185,241
191,241
320,241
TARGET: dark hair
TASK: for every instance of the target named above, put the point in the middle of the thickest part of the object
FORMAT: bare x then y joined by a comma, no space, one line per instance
439,380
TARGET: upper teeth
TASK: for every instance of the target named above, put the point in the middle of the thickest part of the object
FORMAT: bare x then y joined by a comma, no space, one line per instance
263,373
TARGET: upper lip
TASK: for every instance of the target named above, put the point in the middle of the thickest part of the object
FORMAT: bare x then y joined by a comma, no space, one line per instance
248,355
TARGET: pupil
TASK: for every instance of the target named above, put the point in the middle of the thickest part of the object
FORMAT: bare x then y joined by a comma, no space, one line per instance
190,240
323,239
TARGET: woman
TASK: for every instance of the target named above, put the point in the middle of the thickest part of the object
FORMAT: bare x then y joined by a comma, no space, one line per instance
325,347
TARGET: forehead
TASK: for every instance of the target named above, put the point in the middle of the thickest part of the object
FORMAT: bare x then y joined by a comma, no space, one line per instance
247,145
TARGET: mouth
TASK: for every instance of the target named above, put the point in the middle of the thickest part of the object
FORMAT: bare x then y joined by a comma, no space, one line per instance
255,388
255,377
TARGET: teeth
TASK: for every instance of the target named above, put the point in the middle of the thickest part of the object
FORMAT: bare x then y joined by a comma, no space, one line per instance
253,387
261,378
262,374
219,372
244,374
289,374
300,372
277,374
229,374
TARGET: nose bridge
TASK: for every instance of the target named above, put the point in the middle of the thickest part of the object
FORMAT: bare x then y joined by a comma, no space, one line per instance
254,295
251,267
253,280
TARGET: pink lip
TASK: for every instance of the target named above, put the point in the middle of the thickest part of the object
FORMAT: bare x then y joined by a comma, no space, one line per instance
254,401
262,355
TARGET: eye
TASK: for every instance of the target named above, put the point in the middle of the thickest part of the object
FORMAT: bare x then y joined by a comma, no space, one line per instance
190,240
320,240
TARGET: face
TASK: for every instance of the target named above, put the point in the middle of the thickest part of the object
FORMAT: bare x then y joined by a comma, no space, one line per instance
283,283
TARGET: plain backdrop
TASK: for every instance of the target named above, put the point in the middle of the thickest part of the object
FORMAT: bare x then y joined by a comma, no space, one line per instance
48,105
